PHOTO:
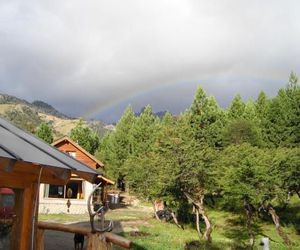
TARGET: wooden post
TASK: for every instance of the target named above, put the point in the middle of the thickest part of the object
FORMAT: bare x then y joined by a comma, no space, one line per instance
16,225
40,243
97,242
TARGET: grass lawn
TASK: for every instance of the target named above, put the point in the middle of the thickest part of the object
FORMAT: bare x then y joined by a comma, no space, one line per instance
138,225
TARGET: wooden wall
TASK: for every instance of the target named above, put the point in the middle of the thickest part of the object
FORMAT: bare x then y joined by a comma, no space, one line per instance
66,146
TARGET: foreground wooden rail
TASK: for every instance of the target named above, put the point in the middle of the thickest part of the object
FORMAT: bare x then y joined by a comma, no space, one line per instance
96,241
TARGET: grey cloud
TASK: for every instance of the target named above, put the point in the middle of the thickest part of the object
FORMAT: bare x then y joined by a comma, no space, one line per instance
84,57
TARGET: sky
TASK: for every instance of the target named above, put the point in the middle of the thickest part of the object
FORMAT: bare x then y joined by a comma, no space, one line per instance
93,58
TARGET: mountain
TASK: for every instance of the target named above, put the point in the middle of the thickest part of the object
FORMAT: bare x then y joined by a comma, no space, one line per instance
38,106
48,109
29,116
8,99
159,114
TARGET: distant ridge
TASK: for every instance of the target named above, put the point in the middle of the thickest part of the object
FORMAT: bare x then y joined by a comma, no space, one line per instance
48,109
8,99
29,116
38,106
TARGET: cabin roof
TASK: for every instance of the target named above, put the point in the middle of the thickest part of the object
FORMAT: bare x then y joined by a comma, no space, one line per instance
68,139
19,145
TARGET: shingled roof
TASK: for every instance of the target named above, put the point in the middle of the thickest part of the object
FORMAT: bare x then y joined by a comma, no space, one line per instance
18,145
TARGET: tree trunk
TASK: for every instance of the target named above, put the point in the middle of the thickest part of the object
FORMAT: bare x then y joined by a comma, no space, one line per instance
175,220
208,231
200,209
198,224
249,209
279,230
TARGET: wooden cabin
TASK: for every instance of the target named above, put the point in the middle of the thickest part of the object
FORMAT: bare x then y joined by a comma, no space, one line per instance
56,199
25,163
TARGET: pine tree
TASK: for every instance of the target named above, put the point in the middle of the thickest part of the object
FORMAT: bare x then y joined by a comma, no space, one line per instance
116,147
236,109
44,131
283,116
85,137
262,107
143,132
206,119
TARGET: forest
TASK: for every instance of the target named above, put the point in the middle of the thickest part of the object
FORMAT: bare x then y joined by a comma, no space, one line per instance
244,159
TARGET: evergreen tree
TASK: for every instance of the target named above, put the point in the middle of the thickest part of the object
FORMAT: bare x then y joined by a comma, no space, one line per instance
116,147
143,132
207,119
243,125
293,93
85,137
44,131
236,109
283,116
262,107
241,131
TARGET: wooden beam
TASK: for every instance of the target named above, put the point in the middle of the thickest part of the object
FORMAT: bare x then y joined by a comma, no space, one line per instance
118,240
16,180
63,228
55,176
89,177
110,237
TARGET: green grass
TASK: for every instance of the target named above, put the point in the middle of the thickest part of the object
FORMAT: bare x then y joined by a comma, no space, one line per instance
63,218
228,229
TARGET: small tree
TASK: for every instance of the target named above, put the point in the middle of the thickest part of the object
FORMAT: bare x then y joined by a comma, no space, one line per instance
85,137
44,131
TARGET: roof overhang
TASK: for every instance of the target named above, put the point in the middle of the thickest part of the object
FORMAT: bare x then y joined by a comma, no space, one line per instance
26,153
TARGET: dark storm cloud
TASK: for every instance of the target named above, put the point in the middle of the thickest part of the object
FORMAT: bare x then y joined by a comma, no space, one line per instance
90,58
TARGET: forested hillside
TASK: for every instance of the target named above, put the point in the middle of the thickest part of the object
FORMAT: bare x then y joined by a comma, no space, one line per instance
244,159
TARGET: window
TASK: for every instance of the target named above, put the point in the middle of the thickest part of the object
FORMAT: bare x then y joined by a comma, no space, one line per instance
72,153
56,191
73,190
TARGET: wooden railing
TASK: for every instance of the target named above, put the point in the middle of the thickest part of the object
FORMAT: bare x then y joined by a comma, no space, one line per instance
96,241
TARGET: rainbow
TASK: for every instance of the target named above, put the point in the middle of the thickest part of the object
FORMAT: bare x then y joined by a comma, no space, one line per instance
99,107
